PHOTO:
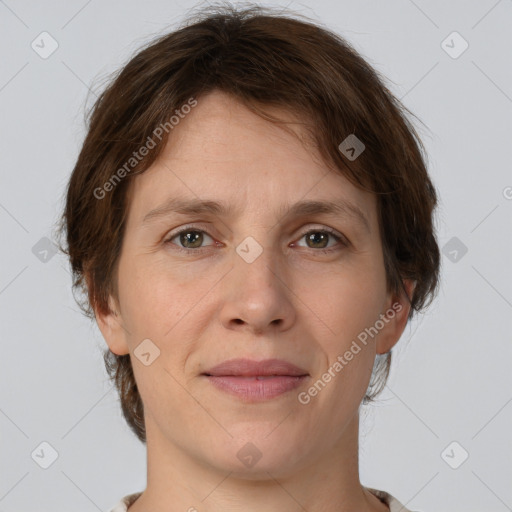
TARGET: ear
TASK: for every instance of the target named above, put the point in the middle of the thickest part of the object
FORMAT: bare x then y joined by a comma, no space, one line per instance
395,317
111,326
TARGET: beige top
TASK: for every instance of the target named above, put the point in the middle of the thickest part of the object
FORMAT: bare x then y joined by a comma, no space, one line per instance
393,504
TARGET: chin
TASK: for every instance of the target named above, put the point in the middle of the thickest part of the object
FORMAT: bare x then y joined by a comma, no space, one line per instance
255,456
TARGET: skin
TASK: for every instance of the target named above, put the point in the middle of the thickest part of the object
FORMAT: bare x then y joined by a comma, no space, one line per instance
293,302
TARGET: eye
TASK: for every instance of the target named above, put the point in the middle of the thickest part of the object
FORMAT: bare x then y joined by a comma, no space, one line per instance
321,238
189,238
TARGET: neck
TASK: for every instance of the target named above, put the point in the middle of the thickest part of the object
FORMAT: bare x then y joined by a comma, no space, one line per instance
178,481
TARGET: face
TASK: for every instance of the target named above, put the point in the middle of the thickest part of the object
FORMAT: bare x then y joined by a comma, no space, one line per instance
260,278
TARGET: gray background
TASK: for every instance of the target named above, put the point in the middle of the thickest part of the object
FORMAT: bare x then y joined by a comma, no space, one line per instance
451,379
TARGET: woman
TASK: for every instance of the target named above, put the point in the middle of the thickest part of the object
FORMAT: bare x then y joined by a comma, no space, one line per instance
250,217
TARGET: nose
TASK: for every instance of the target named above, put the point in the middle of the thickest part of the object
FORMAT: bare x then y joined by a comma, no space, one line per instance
256,296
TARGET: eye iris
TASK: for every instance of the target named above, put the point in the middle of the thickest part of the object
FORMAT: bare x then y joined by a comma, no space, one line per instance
191,239
317,237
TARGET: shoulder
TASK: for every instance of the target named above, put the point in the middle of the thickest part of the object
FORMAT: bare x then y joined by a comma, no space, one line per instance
393,504
123,505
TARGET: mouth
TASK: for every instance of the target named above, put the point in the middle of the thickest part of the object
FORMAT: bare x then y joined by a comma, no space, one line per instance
253,381
252,368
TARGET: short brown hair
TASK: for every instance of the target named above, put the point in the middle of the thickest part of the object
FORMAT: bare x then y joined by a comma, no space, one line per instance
260,57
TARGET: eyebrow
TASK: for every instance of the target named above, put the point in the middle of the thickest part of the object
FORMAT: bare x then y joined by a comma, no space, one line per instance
340,208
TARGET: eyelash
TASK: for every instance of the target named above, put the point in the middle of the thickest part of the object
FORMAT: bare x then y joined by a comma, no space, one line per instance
187,229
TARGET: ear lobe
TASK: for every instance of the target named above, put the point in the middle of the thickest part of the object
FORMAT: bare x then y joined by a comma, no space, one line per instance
110,324
397,315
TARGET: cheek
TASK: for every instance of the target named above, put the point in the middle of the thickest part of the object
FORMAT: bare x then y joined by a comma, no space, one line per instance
164,305
352,304
345,302
157,297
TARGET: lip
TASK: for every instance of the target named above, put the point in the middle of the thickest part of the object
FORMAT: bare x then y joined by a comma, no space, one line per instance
251,368
254,381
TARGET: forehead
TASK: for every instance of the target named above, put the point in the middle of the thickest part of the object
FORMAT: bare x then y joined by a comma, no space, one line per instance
223,150
222,128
